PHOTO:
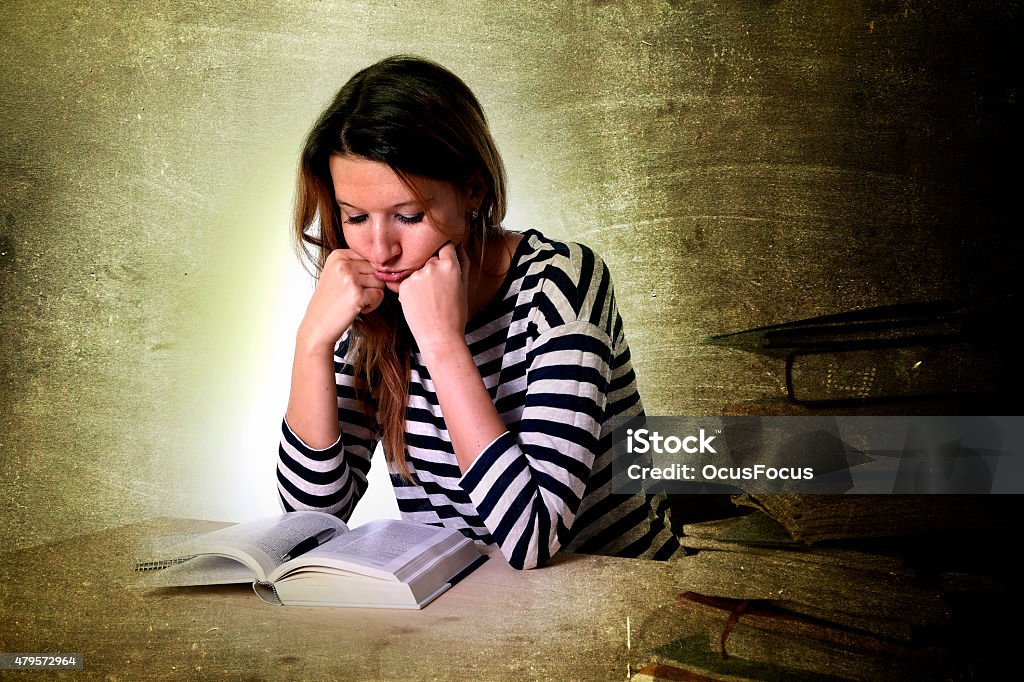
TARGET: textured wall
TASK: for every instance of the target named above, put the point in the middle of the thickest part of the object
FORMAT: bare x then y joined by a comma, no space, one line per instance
737,163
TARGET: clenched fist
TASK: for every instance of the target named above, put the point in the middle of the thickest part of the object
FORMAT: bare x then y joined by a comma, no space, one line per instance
347,287
434,299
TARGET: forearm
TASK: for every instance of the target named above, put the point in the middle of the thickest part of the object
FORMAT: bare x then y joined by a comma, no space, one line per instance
313,403
469,414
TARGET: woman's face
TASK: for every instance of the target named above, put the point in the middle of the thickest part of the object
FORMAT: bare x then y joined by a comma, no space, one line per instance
383,221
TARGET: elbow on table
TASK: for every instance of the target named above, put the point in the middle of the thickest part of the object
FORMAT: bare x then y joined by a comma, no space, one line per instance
529,560
526,565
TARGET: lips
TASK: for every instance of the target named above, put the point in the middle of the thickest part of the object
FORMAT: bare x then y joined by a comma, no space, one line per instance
391,275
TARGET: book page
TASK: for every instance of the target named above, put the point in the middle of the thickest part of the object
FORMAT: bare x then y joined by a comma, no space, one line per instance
200,570
381,547
160,552
273,545
265,544
384,547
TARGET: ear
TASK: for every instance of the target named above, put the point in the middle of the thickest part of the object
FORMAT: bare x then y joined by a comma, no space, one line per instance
474,190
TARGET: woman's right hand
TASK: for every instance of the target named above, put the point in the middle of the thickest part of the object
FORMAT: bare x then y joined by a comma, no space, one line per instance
347,287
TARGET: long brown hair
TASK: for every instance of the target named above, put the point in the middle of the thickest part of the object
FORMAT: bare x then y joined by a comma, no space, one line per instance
422,121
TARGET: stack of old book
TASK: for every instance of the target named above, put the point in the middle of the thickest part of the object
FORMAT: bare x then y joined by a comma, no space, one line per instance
845,587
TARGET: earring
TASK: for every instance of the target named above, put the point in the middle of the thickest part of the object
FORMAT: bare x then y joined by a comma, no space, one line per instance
475,214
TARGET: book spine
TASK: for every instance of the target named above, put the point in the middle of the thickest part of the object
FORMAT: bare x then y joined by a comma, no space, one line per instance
267,591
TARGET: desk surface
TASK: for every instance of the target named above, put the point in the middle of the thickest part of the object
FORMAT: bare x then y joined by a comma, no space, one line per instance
564,621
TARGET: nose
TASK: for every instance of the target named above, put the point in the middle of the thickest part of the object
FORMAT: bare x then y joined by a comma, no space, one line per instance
384,246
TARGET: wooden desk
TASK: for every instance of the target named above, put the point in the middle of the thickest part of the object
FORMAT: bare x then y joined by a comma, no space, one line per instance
565,621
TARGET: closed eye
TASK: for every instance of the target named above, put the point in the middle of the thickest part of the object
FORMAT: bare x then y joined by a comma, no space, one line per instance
410,219
355,219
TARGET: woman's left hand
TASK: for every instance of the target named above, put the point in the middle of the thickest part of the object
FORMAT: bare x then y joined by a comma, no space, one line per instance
434,299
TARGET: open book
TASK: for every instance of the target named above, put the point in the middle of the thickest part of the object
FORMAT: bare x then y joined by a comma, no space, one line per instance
313,559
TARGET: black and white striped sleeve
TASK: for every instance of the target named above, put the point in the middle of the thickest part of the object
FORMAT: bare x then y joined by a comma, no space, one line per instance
332,479
527,485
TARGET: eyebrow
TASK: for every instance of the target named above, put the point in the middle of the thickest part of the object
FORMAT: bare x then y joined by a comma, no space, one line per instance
411,202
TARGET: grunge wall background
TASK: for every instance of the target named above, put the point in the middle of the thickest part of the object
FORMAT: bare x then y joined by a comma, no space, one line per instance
737,164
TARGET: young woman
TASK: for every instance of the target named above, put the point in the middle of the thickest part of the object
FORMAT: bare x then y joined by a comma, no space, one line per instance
492,365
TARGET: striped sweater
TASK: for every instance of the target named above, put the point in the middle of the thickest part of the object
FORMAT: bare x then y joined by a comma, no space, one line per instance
552,353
